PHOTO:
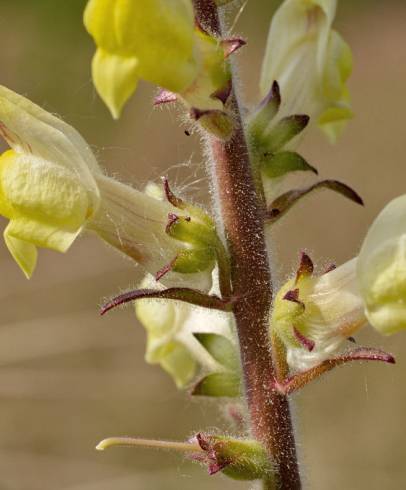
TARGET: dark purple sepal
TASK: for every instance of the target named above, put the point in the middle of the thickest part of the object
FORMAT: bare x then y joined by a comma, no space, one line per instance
173,219
293,296
232,45
177,202
273,96
305,342
299,380
187,295
165,97
306,267
214,463
365,354
286,201
215,467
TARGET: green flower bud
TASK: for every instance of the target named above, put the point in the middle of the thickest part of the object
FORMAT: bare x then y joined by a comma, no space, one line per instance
239,459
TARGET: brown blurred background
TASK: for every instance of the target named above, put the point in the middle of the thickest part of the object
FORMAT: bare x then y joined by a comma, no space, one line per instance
69,378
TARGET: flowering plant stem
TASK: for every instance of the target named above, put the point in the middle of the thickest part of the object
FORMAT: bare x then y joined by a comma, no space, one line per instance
242,217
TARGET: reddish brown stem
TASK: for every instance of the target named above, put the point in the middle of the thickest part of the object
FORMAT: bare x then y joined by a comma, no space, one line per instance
243,220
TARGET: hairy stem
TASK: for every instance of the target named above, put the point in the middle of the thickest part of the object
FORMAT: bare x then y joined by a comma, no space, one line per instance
242,217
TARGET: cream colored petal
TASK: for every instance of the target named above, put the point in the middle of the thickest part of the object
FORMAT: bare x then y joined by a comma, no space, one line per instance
24,253
115,78
178,362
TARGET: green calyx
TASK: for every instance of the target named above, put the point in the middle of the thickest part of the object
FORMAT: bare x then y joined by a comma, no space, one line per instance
269,138
193,260
198,234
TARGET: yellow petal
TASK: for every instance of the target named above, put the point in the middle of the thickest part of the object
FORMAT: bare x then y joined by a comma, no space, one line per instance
24,253
7,159
115,78
161,34
381,269
41,234
148,39
30,130
99,21
43,192
333,121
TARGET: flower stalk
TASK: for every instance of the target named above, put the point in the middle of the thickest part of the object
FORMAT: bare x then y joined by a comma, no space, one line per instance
242,218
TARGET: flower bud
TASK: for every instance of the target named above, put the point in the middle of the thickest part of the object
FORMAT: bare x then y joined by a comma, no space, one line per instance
311,63
239,459
381,269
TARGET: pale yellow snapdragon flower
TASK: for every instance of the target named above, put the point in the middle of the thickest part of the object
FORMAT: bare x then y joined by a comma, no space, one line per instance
48,186
52,189
172,328
315,314
381,269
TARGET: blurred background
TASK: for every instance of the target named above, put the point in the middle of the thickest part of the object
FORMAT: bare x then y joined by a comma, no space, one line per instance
69,378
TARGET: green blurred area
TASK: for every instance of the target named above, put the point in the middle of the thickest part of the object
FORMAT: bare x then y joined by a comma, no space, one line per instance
69,378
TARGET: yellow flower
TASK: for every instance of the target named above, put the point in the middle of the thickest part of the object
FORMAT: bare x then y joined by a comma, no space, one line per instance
51,188
153,40
314,315
311,63
381,269
47,185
